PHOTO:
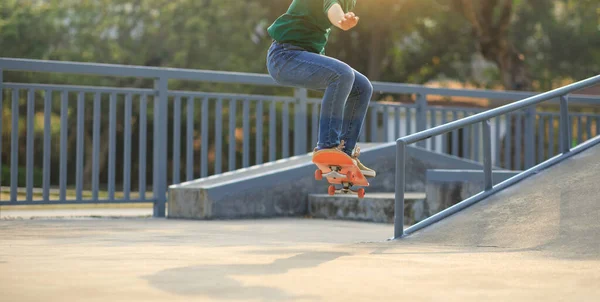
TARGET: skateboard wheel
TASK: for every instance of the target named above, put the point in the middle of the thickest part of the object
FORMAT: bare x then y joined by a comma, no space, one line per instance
318,174
331,190
361,193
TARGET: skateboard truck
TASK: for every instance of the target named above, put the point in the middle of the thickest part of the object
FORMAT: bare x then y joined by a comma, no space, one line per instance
346,190
346,186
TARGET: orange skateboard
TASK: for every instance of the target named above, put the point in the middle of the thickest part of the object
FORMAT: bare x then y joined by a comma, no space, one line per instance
339,168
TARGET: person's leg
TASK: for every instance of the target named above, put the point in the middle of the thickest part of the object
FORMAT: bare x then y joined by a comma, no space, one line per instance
354,117
292,66
355,110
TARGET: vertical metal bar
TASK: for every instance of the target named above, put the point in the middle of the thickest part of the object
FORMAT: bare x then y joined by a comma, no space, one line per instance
30,136
176,139
396,122
508,143
246,131
476,141
161,108
259,132
1,114
386,118
454,135
96,146
189,161
301,95
565,125
518,141
204,139
433,124
445,136
315,124
14,146
79,150
127,148
497,140
541,136
530,137
551,136
143,146
272,133
408,120
374,118
466,139
47,150
285,132
487,155
219,136
399,195
64,110
112,116
579,129
421,102
232,128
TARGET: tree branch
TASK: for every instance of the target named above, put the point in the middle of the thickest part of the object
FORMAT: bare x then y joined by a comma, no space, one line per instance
504,20
467,10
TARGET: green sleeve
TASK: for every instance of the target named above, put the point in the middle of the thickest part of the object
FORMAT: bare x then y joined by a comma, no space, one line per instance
327,4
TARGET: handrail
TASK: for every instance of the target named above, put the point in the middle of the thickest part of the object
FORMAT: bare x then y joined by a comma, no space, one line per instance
483,118
245,78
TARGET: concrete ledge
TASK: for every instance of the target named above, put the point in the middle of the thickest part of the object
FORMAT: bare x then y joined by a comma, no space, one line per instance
375,207
446,188
281,188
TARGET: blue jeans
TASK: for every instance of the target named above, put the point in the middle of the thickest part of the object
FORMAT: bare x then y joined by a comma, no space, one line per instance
347,93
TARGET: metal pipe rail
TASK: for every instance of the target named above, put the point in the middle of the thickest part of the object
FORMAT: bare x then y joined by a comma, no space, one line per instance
245,78
482,118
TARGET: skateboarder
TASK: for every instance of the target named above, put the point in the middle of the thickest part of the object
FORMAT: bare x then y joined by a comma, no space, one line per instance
297,58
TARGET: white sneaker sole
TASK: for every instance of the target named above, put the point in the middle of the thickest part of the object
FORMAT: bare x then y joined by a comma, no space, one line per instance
368,173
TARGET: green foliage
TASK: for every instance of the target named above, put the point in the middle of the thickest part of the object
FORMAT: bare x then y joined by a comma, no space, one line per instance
401,41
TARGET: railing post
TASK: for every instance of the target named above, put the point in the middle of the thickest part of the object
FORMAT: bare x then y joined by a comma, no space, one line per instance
161,85
400,183
1,110
565,125
529,137
300,121
487,155
421,116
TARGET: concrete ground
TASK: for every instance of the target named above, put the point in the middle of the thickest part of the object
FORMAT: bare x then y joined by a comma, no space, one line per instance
146,259
528,243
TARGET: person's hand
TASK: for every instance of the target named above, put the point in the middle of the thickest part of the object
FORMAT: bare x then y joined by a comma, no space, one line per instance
348,21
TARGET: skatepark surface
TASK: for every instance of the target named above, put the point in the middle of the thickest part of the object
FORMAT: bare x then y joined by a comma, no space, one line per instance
536,241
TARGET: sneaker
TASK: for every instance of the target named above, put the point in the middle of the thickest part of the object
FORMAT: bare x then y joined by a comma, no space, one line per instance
367,172
340,147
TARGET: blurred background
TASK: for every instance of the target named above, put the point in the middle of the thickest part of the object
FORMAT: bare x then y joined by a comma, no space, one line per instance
516,45
534,45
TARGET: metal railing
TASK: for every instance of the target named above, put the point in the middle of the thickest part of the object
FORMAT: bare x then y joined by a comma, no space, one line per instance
484,119
128,144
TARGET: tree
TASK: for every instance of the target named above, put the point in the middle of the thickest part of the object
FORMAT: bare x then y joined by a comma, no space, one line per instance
490,21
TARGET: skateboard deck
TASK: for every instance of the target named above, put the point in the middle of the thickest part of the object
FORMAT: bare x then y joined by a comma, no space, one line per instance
339,169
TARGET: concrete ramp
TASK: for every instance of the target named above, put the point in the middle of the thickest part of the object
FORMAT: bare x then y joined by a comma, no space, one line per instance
556,212
282,188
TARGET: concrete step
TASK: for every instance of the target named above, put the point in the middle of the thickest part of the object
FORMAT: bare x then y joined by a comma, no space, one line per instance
374,207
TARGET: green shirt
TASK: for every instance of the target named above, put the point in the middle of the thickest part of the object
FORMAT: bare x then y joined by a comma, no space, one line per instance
305,24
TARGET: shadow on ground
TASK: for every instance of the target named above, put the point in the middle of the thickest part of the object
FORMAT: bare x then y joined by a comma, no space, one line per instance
223,285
